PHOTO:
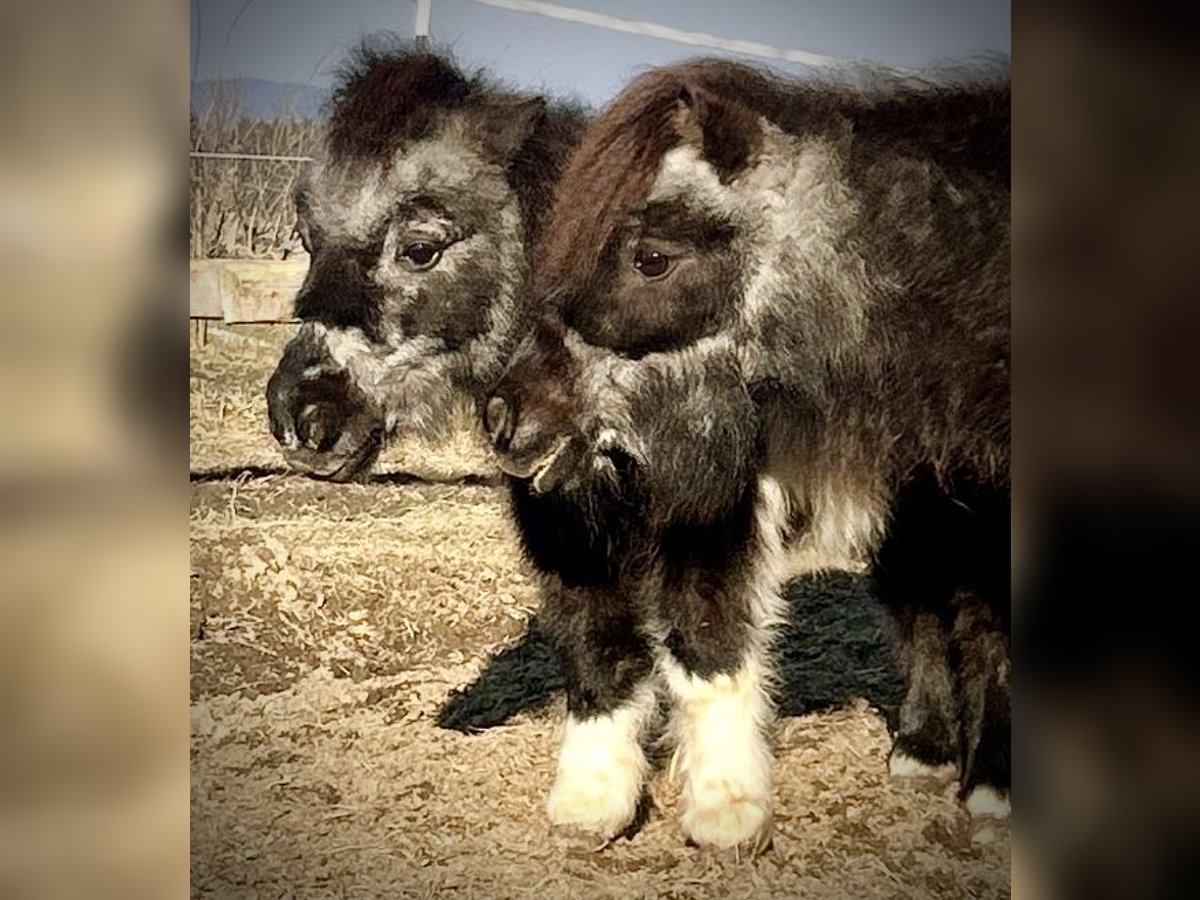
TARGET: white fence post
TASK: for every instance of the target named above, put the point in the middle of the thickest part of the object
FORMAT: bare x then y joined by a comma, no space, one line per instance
421,26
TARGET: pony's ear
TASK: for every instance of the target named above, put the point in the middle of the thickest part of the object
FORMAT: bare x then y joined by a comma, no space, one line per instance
726,133
302,187
507,126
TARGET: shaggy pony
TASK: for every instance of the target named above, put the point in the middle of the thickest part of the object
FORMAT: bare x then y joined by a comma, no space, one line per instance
774,316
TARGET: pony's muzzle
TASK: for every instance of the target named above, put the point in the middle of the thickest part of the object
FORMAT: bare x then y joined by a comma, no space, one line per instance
531,416
527,448
324,424
303,413
318,426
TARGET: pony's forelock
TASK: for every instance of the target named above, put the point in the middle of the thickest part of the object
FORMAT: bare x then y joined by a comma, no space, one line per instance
387,94
614,167
608,176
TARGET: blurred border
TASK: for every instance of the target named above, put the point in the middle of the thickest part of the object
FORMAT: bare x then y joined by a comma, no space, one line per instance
1106,509
93,535
93,444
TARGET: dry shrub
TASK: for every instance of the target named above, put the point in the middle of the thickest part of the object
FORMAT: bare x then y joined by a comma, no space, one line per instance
242,208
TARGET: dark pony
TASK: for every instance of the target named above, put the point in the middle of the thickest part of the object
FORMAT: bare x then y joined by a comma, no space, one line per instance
775,320
417,215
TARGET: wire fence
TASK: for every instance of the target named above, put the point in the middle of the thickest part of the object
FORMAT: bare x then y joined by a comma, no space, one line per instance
665,32
242,173
262,157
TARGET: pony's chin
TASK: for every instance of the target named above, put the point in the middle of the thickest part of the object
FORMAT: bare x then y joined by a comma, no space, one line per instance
339,467
547,471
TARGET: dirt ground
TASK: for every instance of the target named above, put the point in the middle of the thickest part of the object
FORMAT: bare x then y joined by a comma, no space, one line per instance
374,713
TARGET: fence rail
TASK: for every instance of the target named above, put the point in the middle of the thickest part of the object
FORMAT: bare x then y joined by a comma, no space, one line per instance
264,157
665,32
245,291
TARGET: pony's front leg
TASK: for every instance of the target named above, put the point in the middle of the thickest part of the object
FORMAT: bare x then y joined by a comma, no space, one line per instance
716,663
611,700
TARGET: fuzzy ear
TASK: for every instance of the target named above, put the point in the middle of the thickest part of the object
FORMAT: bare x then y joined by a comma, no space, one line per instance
302,188
726,133
507,126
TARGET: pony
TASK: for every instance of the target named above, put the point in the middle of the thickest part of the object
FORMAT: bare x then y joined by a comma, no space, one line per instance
430,186
772,314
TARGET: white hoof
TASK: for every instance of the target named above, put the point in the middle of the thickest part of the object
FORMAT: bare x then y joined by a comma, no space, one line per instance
906,768
726,817
601,802
601,770
985,801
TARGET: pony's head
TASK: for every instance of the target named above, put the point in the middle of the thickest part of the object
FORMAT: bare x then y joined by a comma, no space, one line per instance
722,238
642,279
416,218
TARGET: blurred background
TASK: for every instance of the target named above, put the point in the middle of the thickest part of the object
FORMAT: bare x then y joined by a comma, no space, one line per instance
93,354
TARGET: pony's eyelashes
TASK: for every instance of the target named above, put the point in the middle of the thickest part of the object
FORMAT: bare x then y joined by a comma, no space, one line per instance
420,246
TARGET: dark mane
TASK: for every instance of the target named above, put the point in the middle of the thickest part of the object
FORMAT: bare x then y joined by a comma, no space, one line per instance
613,168
388,94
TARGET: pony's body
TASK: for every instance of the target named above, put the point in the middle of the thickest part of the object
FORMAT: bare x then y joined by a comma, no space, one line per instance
774,315
417,217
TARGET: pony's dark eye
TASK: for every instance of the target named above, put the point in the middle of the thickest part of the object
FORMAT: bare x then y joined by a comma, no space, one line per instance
651,263
422,255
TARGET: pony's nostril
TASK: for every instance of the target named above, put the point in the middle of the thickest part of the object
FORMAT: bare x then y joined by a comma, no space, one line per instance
498,420
315,427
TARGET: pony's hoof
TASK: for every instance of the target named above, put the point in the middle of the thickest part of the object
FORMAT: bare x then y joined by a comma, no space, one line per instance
594,803
910,772
987,802
743,824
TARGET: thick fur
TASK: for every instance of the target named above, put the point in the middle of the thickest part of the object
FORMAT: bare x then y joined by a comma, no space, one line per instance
432,185
822,360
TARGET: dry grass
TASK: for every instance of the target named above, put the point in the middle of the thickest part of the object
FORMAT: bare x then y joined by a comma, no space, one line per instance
243,208
228,381
331,625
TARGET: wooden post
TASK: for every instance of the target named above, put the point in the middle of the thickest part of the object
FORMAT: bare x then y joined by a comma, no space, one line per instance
200,331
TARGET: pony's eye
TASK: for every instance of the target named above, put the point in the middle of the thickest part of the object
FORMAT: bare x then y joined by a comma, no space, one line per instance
422,255
651,263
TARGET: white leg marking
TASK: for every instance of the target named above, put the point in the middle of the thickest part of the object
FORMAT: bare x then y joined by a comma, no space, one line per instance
602,768
903,766
723,755
720,724
985,801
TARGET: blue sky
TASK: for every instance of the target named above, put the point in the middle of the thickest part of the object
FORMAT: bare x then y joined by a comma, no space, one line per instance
301,41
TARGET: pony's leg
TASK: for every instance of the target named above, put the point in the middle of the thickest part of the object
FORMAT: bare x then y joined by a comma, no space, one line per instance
716,664
943,570
611,699
980,649
926,744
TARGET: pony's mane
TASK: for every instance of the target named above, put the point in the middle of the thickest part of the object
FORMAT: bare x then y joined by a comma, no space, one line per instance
615,163
390,94
612,169
387,94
